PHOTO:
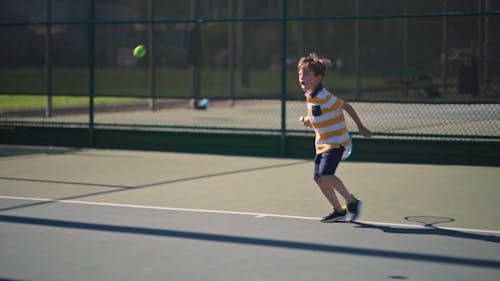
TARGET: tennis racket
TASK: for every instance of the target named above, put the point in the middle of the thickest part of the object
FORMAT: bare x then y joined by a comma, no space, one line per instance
348,150
429,221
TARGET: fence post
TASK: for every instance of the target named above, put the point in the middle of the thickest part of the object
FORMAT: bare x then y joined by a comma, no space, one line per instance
356,51
283,76
444,46
194,51
485,58
152,65
230,53
91,26
48,58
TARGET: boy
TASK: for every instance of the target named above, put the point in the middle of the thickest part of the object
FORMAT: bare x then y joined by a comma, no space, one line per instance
325,115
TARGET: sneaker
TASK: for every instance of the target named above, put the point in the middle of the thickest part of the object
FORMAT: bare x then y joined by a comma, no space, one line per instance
354,208
335,216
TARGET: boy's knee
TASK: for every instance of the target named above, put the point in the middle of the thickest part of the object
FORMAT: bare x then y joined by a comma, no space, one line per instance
318,179
321,179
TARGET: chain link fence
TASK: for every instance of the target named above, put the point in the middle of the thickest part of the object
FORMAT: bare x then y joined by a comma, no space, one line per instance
412,69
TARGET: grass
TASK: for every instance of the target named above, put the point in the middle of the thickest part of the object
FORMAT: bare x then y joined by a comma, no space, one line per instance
24,87
37,101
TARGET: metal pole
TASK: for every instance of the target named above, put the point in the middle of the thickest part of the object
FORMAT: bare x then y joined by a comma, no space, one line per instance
283,75
486,74
91,70
152,66
405,43
444,43
48,58
242,47
405,34
356,51
301,28
230,53
476,50
194,40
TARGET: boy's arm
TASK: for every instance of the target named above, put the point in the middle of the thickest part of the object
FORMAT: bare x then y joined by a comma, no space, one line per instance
362,129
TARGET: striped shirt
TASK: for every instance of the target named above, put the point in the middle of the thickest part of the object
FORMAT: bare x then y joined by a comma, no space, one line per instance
327,119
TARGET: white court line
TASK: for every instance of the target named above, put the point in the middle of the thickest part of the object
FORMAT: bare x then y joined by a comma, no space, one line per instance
256,215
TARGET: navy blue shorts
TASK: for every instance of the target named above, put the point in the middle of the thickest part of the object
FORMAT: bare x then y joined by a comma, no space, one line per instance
326,163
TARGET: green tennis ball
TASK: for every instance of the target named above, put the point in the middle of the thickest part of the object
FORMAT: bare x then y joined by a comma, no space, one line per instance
139,51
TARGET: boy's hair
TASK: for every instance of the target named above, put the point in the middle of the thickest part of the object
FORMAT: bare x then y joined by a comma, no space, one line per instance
314,63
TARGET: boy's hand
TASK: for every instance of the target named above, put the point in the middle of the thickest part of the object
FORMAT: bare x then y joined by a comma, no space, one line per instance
365,132
305,121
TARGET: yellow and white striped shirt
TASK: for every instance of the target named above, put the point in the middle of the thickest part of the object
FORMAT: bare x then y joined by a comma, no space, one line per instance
327,119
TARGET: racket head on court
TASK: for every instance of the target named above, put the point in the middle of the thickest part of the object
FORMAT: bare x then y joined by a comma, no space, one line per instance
429,221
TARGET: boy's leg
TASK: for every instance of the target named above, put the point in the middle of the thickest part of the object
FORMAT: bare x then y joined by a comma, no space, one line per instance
324,175
325,165
326,184
338,213
353,204
342,189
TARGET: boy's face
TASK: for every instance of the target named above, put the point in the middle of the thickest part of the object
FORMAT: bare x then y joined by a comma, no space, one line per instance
308,82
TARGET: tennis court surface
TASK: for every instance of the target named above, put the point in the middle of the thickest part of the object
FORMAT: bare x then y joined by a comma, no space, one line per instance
86,214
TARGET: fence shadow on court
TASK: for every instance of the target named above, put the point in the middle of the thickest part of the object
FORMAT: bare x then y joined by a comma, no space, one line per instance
252,241
121,188
32,151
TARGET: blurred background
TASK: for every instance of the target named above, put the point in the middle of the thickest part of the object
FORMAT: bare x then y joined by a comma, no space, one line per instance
422,69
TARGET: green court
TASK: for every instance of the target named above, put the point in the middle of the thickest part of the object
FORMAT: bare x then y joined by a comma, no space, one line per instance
85,214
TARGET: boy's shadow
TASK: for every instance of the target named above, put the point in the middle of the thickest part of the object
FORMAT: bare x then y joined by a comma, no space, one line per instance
430,229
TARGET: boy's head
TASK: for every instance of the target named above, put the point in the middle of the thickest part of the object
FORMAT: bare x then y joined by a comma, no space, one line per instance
311,71
312,62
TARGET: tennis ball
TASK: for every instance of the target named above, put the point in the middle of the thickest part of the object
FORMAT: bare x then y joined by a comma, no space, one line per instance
139,51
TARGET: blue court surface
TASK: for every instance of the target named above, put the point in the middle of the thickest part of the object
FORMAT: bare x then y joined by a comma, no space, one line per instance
83,214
